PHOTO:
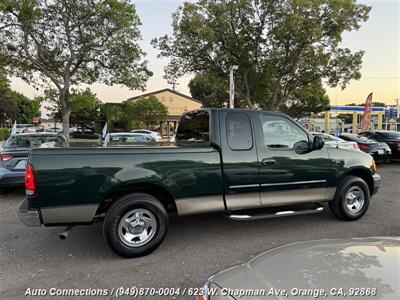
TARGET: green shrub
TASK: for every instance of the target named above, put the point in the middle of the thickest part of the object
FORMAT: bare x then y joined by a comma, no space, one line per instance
77,135
4,133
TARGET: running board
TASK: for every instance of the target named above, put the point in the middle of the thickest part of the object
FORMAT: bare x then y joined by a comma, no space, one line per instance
243,216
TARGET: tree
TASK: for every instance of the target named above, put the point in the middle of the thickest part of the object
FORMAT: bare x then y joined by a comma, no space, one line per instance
14,105
306,101
85,108
142,111
27,108
210,89
60,44
8,107
279,46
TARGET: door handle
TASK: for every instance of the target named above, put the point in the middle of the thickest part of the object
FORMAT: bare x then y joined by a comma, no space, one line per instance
268,162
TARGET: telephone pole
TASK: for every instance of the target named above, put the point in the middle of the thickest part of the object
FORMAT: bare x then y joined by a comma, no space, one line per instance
232,87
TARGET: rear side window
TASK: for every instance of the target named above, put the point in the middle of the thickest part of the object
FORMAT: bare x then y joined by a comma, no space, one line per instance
238,131
194,129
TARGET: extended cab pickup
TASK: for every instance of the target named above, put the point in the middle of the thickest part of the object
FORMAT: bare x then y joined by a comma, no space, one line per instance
248,164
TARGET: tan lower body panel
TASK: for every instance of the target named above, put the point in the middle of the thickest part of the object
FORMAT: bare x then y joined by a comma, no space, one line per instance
69,214
201,204
243,200
330,193
275,198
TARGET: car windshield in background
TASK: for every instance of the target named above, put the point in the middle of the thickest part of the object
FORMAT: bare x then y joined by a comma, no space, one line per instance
31,141
391,134
328,137
356,138
126,139
194,128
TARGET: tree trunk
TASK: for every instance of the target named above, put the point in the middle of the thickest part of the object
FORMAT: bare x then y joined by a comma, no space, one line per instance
66,112
274,98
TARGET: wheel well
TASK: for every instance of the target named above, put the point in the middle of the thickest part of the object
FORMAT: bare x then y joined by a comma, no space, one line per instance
364,174
151,189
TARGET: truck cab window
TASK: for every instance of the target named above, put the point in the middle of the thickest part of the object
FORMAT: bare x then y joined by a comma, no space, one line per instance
238,131
194,128
280,132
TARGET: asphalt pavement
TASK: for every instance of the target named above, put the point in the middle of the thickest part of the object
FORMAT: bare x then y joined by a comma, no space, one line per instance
195,247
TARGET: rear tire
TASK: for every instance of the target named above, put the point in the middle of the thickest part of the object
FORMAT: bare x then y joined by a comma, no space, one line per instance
135,225
351,199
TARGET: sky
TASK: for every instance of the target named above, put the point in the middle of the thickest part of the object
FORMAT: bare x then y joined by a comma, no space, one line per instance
379,37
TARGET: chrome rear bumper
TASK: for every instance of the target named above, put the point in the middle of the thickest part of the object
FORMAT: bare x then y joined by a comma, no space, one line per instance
377,182
29,217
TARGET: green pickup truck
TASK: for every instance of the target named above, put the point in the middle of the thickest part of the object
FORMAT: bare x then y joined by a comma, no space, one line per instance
247,164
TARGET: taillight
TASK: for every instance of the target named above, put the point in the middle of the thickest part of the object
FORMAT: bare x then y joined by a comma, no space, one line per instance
363,147
5,157
30,185
355,146
397,143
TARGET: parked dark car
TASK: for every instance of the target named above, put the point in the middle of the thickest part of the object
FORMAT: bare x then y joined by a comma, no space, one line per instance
391,138
14,154
379,151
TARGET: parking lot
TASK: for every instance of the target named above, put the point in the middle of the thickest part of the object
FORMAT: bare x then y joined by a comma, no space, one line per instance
195,246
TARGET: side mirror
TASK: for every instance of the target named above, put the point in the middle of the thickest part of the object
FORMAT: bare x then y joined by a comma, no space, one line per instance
302,147
318,142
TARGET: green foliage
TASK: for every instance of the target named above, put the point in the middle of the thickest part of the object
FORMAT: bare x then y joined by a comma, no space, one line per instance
8,107
85,108
144,110
279,46
133,114
4,133
61,44
308,100
14,105
27,108
210,89
114,114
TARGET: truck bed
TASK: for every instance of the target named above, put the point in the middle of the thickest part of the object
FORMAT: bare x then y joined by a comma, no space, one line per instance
86,176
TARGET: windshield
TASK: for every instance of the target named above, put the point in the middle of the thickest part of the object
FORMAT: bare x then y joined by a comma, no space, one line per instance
30,141
392,134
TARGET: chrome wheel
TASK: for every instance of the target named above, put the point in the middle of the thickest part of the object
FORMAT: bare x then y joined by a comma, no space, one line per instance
137,227
355,199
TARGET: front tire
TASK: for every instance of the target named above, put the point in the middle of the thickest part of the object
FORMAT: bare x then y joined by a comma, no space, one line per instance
135,225
351,199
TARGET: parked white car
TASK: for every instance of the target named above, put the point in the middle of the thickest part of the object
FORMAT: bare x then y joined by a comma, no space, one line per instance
25,128
123,138
54,129
334,141
154,134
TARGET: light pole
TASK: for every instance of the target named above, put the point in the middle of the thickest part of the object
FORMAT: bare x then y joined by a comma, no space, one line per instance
232,86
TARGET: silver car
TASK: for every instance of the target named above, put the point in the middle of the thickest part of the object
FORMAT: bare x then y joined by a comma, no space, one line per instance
364,268
334,141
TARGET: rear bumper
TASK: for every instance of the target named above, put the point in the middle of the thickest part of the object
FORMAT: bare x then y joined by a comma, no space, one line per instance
28,217
377,181
381,157
11,179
